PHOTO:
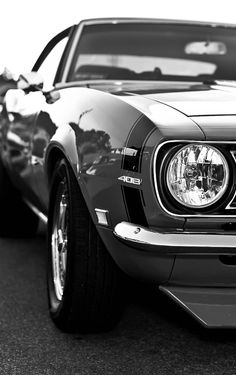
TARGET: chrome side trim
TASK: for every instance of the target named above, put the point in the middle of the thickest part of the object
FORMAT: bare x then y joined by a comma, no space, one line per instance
155,176
140,235
37,212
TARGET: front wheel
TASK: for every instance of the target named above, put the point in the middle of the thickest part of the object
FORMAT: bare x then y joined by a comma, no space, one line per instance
84,283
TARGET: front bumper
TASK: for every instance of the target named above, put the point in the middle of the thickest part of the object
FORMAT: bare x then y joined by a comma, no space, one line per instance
199,280
174,242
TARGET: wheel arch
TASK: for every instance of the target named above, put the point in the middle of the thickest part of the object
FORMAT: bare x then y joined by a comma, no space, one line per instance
56,153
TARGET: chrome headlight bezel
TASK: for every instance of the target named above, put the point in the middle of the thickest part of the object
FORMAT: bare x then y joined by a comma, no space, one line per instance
224,183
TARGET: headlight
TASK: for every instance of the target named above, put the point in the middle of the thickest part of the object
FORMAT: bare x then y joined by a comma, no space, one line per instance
197,175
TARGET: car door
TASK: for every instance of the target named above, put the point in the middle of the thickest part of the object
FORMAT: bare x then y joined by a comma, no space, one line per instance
49,68
24,143
17,127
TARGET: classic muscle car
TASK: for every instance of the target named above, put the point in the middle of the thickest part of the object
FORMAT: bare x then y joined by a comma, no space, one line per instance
127,149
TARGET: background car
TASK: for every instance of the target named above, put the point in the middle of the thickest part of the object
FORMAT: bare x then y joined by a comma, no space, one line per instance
127,151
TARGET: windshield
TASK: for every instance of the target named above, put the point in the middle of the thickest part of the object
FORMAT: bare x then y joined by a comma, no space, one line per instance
152,51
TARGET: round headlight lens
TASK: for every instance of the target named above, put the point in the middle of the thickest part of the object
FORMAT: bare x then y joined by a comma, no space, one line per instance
197,175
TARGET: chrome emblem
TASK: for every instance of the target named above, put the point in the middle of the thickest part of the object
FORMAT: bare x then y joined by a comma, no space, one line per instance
130,180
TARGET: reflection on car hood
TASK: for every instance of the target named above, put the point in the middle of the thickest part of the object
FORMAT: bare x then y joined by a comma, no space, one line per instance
188,111
193,99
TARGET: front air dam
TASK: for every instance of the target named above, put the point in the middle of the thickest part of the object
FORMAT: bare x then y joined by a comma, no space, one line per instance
213,307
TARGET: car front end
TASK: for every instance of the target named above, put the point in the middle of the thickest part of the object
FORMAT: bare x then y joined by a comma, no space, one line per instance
188,242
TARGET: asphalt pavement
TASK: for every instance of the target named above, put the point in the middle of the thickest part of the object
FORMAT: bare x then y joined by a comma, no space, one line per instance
154,335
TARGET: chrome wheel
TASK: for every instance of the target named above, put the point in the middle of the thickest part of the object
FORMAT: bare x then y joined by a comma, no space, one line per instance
84,283
59,240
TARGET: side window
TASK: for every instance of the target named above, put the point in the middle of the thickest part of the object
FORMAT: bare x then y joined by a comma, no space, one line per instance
53,54
48,67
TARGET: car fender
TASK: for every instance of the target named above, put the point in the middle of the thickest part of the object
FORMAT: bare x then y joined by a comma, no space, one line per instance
110,144
92,132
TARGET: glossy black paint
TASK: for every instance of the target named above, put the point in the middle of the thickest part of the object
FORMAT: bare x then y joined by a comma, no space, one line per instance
93,128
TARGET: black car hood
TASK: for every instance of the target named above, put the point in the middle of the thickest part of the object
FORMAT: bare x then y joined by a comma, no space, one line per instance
187,110
193,99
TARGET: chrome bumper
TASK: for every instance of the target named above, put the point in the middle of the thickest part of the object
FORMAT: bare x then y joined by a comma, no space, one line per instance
184,242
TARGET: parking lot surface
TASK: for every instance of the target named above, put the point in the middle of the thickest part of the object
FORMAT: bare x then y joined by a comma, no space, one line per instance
154,336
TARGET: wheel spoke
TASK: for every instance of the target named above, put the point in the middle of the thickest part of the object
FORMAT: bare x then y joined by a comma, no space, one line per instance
59,241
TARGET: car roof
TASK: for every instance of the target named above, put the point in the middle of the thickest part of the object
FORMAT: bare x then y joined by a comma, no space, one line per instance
155,20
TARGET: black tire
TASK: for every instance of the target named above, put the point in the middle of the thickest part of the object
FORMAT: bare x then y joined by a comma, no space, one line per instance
16,219
90,299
